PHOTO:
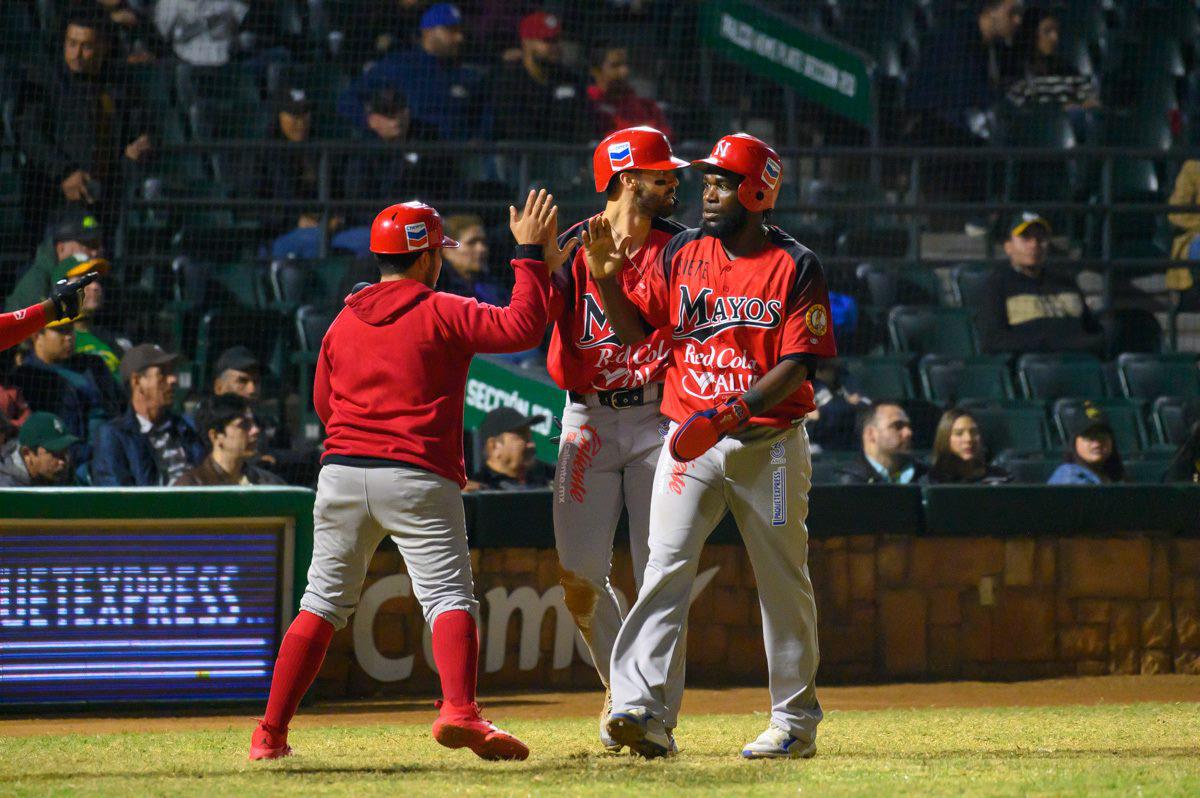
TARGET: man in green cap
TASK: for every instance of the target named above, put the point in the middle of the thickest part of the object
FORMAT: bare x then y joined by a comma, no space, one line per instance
77,232
40,454
1027,308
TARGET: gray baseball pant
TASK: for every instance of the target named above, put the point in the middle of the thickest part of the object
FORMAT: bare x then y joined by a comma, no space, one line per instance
356,508
763,477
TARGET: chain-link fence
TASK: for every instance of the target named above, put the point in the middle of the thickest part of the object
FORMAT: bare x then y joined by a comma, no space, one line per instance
225,157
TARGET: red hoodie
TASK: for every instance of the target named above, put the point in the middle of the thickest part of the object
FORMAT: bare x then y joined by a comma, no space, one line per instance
392,372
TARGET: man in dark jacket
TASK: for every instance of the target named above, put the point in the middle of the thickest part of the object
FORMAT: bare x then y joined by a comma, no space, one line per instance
78,388
508,452
886,458
150,445
1026,308
231,434
78,122
538,88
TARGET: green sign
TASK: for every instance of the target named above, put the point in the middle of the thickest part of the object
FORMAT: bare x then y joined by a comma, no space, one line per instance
492,384
820,69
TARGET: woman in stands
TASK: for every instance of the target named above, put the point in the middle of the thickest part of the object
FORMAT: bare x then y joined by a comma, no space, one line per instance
1092,457
1185,466
959,455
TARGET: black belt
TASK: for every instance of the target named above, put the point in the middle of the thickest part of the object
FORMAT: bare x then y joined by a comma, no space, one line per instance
617,400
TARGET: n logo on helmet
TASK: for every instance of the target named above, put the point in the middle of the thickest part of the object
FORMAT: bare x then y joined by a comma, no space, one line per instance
722,149
770,172
620,155
417,235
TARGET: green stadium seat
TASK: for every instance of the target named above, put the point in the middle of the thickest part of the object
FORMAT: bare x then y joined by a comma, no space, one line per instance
311,322
877,241
1146,469
1147,376
1032,468
1054,376
888,286
1040,180
1125,416
969,281
1174,417
948,380
1019,425
879,377
946,331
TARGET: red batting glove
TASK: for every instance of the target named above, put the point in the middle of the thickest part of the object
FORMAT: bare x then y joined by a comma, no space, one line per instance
704,428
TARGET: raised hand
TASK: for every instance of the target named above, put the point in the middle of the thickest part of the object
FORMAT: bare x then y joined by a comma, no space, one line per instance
556,255
535,222
67,295
605,255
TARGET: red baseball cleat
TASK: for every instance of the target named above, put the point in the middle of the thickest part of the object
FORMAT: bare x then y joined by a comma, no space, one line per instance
268,743
466,728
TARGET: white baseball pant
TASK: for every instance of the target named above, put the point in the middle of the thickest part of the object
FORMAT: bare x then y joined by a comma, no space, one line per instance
763,477
356,508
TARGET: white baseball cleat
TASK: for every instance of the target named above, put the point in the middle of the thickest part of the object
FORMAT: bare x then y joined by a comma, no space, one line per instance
778,743
643,733
606,740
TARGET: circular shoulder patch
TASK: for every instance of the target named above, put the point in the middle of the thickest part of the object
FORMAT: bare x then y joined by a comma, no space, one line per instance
817,320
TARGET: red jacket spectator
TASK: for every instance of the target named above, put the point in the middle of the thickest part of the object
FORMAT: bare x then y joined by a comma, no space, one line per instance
614,102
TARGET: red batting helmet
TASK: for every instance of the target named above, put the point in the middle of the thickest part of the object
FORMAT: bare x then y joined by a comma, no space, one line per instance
632,148
408,227
759,165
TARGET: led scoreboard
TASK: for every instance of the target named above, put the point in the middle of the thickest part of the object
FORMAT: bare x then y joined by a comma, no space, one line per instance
141,610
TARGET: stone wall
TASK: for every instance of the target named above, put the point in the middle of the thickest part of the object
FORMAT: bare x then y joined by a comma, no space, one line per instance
889,607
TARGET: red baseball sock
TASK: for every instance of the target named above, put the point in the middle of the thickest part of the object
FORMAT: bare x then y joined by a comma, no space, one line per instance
456,652
300,657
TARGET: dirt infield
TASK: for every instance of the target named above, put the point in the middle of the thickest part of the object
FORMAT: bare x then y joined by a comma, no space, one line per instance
741,700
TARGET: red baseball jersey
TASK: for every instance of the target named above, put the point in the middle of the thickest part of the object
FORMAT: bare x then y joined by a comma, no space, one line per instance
730,321
585,354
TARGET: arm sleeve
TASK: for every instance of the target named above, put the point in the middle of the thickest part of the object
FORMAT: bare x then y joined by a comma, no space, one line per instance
1186,191
15,327
807,327
321,386
478,327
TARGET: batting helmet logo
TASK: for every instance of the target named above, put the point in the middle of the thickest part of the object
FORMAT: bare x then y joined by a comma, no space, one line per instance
770,173
417,235
620,156
721,150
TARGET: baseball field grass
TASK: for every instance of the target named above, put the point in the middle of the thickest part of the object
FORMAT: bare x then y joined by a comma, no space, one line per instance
1136,749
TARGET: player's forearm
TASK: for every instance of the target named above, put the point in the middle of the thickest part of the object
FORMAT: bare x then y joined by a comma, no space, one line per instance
15,327
776,385
623,315
522,324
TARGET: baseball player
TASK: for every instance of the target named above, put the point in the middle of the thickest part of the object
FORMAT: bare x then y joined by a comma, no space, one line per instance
747,310
611,424
63,303
389,389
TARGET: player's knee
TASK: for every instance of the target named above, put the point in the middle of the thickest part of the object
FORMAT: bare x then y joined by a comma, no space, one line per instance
580,594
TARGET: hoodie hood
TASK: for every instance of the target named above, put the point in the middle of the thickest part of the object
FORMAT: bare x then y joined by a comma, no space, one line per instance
13,473
383,303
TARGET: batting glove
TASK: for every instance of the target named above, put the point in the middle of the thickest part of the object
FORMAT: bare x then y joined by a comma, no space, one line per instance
67,295
704,428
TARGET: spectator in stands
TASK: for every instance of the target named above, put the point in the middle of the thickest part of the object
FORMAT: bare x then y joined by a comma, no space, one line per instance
290,175
441,91
538,87
78,388
509,453
76,233
133,35
1185,465
1044,77
39,455
89,338
1186,245
1092,457
201,32
615,104
468,273
962,73
238,372
149,445
76,123
403,172
228,428
383,26
886,434
1028,309
959,454
832,425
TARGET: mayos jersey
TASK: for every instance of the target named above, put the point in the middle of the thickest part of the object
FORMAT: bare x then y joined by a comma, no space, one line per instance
732,321
585,355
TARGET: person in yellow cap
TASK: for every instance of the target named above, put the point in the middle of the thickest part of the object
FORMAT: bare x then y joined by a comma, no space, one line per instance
88,339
